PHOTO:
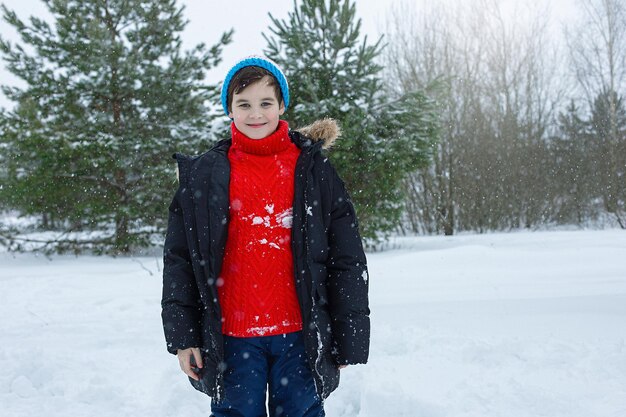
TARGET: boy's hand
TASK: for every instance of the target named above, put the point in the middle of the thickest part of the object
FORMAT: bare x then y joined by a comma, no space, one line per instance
184,359
342,366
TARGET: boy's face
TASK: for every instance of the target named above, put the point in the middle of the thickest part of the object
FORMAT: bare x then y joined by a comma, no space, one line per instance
256,110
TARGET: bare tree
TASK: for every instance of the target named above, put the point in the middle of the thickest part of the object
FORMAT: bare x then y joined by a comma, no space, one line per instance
497,99
597,49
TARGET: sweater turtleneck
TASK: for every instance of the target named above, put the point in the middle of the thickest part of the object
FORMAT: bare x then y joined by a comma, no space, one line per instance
272,144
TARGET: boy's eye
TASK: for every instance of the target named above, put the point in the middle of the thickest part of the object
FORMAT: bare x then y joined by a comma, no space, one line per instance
266,104
244,105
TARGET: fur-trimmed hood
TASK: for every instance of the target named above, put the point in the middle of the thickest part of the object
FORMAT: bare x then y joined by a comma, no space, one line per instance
326,130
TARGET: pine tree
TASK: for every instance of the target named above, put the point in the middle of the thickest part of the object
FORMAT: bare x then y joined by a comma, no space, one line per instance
110,95
333,73
574,172
608,150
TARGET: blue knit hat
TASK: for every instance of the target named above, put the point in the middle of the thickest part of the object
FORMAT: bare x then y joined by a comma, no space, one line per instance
256,61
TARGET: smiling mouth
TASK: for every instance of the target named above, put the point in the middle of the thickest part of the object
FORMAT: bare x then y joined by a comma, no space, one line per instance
256,124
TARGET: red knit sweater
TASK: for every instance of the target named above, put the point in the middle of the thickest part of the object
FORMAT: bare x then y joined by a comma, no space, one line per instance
257,290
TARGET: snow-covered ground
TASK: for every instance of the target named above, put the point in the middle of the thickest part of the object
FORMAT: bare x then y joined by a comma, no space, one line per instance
520,324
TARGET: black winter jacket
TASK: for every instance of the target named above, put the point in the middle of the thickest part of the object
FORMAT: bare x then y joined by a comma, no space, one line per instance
329,263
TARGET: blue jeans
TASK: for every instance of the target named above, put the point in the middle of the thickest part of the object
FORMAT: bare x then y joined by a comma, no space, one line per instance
253,364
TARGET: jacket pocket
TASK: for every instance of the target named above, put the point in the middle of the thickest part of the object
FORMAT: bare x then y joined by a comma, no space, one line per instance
207,374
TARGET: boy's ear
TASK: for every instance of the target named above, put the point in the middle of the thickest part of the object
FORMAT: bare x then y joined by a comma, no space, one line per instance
281,109
230,115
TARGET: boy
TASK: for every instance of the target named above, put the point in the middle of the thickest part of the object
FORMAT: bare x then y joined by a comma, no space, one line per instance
265,280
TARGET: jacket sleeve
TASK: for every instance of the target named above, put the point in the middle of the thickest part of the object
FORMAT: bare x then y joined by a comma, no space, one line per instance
347,283
181,306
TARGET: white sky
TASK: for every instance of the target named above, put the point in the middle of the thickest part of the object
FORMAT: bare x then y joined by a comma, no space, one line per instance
209,19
